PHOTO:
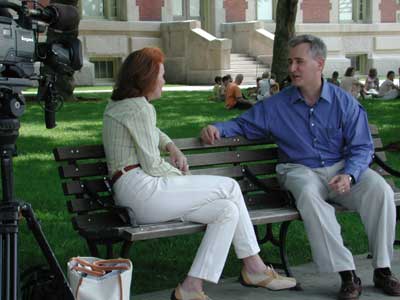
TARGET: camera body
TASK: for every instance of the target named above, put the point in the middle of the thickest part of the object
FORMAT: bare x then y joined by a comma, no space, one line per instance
20,49
17,51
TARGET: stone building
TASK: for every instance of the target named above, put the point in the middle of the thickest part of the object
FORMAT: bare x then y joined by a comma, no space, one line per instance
205,38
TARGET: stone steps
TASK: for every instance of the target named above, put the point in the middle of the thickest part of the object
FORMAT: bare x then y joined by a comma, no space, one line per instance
248,66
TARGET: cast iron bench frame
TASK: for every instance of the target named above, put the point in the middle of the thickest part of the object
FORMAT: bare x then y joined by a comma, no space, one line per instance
99,221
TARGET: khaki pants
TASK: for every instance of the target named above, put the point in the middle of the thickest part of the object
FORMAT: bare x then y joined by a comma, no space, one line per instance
371,197
213,200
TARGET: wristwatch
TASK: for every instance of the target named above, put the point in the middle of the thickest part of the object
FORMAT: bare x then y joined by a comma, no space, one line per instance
351,180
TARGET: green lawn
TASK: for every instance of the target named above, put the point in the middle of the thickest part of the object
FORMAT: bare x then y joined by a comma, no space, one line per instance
160,263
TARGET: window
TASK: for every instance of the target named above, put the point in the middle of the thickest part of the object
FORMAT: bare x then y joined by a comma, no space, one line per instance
178,8
359,62
358,11
186,9
398,16
105,69
266,10
92,8
107,9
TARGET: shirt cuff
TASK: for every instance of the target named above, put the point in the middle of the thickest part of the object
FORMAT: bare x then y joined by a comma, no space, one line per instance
353,172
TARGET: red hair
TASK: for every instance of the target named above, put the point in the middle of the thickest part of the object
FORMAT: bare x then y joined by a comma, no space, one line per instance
138,74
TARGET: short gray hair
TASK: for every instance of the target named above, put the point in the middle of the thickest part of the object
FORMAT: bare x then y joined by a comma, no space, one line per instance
317,46
239,77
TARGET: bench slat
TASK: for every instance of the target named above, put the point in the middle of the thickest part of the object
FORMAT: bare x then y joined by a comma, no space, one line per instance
196,143
218,158
83,170
80,205
76,187
100,169
97,221
76,153
145,232
377,143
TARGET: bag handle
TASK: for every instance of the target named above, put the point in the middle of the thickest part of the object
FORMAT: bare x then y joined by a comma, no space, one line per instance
104,264
100,267
89,271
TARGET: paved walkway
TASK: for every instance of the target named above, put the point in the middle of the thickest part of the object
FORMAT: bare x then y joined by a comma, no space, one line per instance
316,286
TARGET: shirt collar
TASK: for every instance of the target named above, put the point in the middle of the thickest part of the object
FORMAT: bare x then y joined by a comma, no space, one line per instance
296,95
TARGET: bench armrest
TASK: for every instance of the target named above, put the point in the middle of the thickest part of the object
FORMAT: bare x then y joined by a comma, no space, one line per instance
386,167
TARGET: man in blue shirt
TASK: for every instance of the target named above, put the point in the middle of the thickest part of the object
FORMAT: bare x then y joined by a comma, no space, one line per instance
325,148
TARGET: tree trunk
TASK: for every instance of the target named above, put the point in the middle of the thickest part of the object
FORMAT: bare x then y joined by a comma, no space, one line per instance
285,29
65,84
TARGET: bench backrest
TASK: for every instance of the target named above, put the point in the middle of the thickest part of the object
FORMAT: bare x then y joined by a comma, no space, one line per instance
85,166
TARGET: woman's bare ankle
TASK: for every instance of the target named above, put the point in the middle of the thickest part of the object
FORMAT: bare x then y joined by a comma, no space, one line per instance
254,264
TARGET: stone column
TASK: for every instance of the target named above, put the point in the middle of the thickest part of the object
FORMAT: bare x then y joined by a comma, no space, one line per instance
299,15
251,13
167,12
376,11
219,16
334,12
129,10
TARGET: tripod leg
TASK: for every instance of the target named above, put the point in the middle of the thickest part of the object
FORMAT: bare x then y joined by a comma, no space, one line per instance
9,250
37,231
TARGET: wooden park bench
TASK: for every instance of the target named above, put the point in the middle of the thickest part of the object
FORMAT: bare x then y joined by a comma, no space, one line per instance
98,220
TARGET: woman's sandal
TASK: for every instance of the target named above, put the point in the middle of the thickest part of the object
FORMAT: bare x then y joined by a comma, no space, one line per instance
179,294
269,279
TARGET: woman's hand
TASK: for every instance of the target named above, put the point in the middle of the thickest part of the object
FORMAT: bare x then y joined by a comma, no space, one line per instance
178,159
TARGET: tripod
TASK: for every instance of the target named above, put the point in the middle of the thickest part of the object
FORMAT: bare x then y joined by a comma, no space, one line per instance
11,108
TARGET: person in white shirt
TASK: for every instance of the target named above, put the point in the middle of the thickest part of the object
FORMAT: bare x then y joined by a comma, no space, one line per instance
351,84
264,89
388,90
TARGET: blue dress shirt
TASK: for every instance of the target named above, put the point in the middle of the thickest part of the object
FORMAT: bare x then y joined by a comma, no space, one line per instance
335,128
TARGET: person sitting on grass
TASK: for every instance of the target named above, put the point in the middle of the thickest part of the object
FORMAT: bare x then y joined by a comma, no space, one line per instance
234,97
388,90
351,84
371,86
325,148
217,90
265,87
274,84
335,78
159,191
225,81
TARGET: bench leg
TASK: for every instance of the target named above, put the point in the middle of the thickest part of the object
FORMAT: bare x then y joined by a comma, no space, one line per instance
283,252
109,250
126,246
396,241
94,251
283,249
268,236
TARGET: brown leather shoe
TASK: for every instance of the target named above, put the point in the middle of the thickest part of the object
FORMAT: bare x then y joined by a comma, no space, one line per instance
351,289
387,282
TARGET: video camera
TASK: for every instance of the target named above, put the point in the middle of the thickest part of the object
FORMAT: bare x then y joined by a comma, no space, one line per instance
20,48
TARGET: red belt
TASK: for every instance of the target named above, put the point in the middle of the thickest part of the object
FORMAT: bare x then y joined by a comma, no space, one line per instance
119,173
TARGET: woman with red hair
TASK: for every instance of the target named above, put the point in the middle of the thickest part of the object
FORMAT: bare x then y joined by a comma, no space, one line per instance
158,191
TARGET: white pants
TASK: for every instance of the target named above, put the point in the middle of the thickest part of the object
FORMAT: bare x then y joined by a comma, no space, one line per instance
371,197
392,94
213,200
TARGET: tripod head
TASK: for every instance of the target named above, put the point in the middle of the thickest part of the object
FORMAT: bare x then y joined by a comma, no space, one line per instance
12,106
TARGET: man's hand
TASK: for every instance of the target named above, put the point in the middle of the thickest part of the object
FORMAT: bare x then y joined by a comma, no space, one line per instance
340,183
209,134
178,159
